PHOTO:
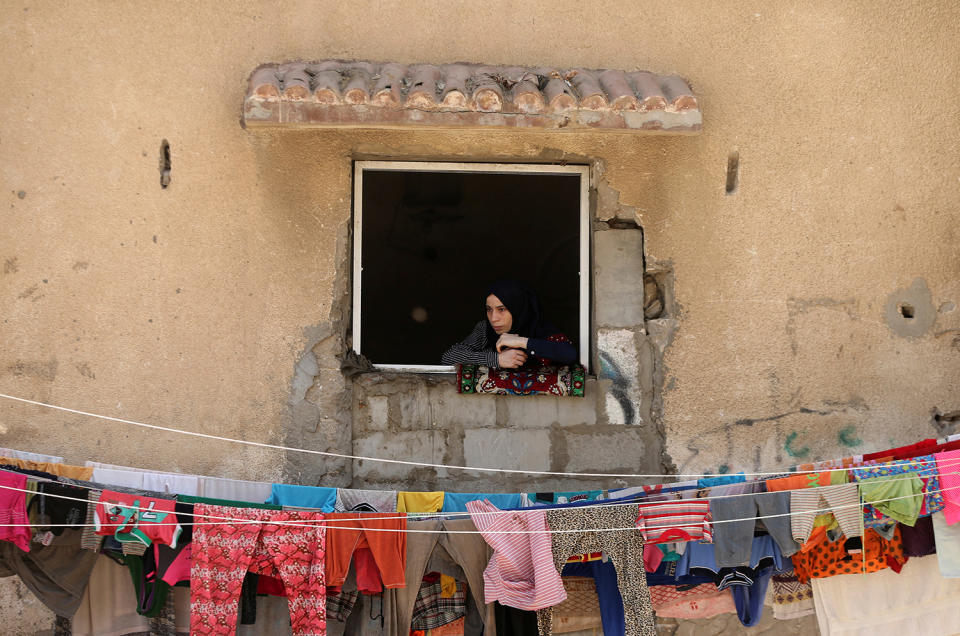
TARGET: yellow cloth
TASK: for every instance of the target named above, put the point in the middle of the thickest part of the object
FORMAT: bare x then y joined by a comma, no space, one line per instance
420,501
448,586
84,473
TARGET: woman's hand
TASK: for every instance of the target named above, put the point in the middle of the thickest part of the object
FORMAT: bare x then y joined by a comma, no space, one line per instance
511,358
511,341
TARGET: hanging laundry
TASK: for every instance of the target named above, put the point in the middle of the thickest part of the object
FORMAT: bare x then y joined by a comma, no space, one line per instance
734,522
917,601
223,552
833,558
313,497
919,540
948,469
33,457
722,480
843,500
930,484
606,593
701,601
420,501
377,544
521,573
897,497
60,470
748,582
460,549
948,546
686,520
788,597
13,510
350,500
581,610
235,489
54,508
109,603
535,499
132,518
432,608
457,501
896,453
57,573
623,547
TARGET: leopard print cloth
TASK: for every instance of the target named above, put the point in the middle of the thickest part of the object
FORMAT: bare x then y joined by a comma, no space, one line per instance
625,547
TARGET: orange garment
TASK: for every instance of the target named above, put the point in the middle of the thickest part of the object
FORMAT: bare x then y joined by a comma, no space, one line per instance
389,549
796,482
831,559
83,473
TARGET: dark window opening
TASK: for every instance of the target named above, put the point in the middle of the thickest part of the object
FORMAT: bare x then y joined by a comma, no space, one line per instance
432,241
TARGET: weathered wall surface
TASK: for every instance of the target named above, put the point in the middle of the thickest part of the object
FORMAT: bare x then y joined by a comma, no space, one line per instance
220,303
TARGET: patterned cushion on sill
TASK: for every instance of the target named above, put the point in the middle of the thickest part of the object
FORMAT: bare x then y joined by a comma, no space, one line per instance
543,380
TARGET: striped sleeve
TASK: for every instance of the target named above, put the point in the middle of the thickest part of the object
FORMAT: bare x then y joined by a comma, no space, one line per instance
474,349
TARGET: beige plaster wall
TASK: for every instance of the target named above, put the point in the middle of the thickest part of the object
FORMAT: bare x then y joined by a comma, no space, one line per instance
190,306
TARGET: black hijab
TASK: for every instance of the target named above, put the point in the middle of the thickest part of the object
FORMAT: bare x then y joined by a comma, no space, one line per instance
524,306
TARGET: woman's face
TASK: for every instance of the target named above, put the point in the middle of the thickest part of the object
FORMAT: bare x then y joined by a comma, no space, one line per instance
499,316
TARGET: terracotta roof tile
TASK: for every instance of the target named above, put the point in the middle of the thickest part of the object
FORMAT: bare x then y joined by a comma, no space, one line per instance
369,94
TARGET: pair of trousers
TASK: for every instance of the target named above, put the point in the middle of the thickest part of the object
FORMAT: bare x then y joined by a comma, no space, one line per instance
843,500
386,540
444,552
733,537
589,531
248,539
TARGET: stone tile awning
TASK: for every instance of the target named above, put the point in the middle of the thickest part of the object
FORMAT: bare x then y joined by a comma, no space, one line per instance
343,94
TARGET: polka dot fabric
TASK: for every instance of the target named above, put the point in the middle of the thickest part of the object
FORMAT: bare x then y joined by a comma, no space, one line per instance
832,558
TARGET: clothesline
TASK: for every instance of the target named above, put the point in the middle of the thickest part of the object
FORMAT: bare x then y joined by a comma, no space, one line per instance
401,461
429,516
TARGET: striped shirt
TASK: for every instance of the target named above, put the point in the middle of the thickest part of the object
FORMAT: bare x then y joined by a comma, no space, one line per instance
668,521
476,349
521,572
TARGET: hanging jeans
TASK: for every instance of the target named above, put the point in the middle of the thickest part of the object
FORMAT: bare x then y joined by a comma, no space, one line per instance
589,531
224,552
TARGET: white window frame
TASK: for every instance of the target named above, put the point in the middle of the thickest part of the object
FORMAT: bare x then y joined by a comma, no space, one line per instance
487,168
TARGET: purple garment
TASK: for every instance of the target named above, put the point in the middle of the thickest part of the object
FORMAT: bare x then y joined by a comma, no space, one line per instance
918,540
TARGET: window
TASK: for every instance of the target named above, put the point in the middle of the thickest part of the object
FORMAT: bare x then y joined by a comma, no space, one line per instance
429,238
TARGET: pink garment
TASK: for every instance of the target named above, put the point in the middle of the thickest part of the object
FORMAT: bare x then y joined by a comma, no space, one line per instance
521,572
13,510
224,552
179,570
702,601
652,557
948,466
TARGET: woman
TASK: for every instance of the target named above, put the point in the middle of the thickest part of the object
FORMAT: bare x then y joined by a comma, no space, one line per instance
512,334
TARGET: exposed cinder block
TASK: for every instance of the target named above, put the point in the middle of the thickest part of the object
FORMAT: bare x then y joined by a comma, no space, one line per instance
507,448
417,446
450,408
544,409
620,450
378,412
618,262
620,376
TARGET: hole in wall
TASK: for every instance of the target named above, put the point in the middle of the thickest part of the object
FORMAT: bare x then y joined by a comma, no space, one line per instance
165,164
906,310
733,171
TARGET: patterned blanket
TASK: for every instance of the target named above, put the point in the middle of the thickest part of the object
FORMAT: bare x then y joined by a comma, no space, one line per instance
543,380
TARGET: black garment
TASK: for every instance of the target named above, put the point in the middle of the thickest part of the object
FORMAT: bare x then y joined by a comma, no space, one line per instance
54,509
918,540
515,622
